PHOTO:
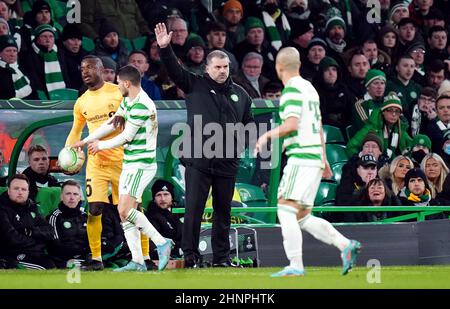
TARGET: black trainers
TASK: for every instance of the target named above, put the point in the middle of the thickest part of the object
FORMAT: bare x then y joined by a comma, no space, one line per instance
92,265
226,264
192,263
150,265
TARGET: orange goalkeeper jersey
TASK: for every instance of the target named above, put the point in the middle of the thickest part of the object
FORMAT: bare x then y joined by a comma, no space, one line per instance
94,108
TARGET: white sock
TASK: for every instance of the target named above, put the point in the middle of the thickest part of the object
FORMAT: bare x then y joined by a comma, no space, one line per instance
146,257
292,235
140,220
323,231
133,237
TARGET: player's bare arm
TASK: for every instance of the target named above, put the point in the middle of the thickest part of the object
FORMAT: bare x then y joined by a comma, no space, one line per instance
290,125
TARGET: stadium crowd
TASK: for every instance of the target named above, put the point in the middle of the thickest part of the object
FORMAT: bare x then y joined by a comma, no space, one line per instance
384,83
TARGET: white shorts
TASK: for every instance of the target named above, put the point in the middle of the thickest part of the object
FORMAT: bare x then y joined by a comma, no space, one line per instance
300,184
133,181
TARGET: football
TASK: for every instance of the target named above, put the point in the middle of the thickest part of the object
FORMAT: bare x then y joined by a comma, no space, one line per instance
71,160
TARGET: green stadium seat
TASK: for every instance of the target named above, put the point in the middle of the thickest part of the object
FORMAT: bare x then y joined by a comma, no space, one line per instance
326,195
249,192
87,44
139,43
337,171
41,95
3,189
127,43
48,200
64,94
333,135
336,153
350,130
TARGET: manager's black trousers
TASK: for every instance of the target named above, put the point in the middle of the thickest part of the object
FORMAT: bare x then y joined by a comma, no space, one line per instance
198,184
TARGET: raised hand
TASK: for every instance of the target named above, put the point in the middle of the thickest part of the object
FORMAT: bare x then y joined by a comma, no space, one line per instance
162,37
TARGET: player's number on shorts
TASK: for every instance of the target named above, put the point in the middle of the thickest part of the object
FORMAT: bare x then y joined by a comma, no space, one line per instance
314,106
88,188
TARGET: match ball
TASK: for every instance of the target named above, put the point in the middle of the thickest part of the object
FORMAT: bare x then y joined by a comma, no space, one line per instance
71,160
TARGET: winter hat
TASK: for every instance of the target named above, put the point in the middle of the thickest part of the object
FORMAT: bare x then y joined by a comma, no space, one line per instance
193,41
395,8
335,21
367,160
317,41
327,62
253,22
7,41
39,6
162,185
289,3
373,75
300,27
421,140
372,137
391,100
4,21
71,31
105,29
415,45
43,28
109,63
233,4
416,173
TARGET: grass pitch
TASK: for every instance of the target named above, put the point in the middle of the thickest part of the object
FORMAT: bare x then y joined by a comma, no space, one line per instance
402,277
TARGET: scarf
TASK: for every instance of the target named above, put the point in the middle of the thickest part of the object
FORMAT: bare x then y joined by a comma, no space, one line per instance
421,200
21,82
53,76
272,30
336,47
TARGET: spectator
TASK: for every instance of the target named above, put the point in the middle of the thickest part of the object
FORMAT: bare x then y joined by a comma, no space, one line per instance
420,147
335,100
419,9
417,190
139,59
394,174
436,74
377,59
125,14
443,198
70,54
41,63
178,27
398,12
407,34
69,224
14,83
335,31
437,128
232,16
272,91
250,77
38,171
24,233
437,40
108,44
302,33
160,215
316,51
446,148
388,41
195,54
434,18
216,36
417,52
109,69
386,123
424,111
407,90
375,193
436,172
358,65
350,187
276,23
375,83
297,10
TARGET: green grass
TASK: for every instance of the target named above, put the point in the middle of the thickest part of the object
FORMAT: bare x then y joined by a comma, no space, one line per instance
405,277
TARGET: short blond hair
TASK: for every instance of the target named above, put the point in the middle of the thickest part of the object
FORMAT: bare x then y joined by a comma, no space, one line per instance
289,59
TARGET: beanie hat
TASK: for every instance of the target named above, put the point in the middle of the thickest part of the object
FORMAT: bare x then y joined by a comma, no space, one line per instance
300,27
253,22
327,62
415,45
372,137
71,31
233,4
416,173
317,41
162,185
373,75
43,28
4,21
7,41
395,8
194,40
109,63
421,140
39,6
105,29
335,21
391,100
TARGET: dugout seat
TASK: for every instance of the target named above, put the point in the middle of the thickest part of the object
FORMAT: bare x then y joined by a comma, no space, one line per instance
336,153
48,200
333,135
337,171
63,94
